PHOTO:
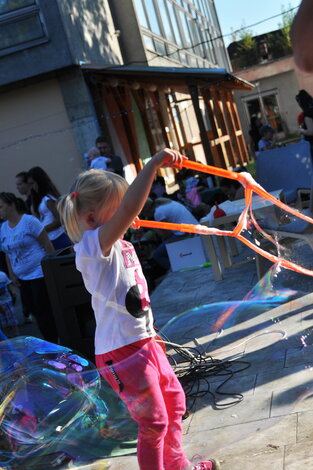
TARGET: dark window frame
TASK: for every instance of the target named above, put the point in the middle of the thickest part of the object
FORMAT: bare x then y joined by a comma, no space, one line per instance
15,16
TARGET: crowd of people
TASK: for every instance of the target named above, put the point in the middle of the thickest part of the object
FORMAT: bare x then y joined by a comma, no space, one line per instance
30,229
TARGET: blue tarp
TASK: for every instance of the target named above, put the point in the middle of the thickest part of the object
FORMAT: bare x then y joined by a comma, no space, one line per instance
288,168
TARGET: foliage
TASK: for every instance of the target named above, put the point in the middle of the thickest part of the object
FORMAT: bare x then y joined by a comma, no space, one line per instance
278,43
247,53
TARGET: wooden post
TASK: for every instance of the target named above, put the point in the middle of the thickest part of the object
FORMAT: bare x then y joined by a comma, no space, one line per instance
194,93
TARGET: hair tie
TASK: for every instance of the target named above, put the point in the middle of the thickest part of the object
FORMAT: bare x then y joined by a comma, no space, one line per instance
75,194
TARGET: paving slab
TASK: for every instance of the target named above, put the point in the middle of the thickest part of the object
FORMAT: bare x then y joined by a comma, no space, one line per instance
299,456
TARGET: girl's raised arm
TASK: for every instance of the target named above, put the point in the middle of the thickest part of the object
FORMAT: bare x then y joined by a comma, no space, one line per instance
135,198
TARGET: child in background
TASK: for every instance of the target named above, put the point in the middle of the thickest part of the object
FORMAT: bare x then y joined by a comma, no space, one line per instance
8,318
96,161
267,141
97,213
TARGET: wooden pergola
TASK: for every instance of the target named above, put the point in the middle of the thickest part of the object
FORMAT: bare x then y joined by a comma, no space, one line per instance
155,90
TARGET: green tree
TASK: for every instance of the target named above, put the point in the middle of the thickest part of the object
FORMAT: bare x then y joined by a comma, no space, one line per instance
247,53
280,45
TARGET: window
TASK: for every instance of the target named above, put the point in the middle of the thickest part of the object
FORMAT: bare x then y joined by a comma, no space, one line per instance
20,25
197,4
141,14
187,39
166,22
272,112
265,106
205,8
193,27
149,42
12,5
173,17
152,16
160,47
209,47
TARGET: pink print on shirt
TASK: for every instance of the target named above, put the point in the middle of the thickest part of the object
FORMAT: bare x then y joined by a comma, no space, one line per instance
129,254
143,290
137,299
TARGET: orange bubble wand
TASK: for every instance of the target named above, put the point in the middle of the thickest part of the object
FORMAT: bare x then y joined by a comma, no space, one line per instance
250,186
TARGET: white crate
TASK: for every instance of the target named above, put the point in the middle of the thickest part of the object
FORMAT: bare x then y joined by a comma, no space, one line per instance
187,253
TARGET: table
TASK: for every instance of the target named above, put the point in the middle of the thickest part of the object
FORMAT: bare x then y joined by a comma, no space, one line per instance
259,206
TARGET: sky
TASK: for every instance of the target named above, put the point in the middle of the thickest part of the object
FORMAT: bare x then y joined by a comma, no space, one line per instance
233,14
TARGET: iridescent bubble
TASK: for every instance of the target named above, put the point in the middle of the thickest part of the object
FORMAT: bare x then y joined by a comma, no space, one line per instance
55,407
210,320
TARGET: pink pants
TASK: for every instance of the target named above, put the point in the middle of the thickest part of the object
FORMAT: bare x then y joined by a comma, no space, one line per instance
143,378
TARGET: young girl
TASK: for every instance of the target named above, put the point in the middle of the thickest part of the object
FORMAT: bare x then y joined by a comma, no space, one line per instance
44,195
96,214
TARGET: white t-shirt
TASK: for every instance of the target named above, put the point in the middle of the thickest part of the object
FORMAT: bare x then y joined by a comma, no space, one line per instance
176,213
22,247
47,217
99,163
4,291
120,298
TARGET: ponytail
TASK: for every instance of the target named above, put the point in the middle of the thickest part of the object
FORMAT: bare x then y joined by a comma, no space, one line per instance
93,190
67,208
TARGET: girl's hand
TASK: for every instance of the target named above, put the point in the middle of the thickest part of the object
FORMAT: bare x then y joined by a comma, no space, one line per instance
134,225
168,158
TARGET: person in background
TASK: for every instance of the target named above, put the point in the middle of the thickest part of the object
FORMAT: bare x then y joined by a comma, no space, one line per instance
96,161
25,243
267,140
24,188
254,133
232,189
158,188
166,210
44,196
305,101
300,119
8,318
97,213
116,164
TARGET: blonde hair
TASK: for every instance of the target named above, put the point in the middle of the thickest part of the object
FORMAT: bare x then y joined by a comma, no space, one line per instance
93,190
93,153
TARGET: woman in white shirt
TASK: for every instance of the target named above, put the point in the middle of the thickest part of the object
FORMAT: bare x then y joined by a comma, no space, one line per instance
25,242
44,199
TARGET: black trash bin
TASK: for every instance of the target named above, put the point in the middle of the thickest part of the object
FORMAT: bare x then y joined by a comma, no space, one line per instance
70,301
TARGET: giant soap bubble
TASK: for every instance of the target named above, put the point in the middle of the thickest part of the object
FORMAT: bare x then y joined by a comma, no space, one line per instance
55,407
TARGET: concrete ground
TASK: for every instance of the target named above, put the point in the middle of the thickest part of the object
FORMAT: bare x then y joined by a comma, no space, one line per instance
272,426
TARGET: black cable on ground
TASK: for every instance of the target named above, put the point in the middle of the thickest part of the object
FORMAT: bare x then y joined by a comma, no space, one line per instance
196,371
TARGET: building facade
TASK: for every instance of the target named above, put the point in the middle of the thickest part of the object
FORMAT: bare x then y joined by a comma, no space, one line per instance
277,80
66,76
170,32
46,112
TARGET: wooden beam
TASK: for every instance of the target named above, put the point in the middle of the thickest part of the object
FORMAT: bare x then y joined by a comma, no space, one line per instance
194,93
